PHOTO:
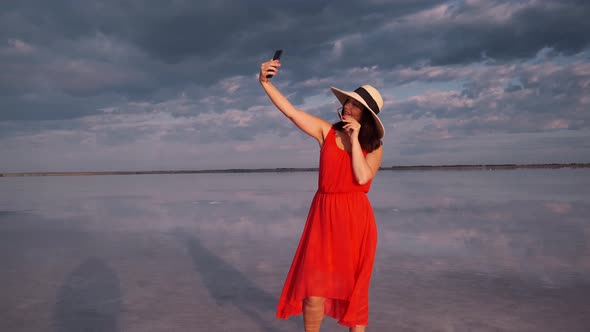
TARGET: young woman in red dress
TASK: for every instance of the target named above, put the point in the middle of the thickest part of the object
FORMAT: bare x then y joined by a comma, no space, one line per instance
332,266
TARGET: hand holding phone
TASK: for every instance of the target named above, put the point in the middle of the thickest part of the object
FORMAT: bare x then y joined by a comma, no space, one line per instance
277,56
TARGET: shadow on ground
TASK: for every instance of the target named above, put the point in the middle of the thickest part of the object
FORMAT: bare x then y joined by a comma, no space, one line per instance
89,300
228,286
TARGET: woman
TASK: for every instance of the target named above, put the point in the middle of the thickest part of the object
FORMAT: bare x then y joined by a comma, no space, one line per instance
332,266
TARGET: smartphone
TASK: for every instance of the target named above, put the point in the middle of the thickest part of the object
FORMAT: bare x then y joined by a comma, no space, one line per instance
277,56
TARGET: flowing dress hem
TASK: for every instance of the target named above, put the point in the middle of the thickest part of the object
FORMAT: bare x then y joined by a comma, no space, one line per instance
287,309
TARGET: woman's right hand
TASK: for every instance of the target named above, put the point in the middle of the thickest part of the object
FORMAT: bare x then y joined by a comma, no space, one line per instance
268,68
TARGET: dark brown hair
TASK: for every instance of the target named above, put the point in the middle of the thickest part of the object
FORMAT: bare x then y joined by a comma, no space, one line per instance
368,135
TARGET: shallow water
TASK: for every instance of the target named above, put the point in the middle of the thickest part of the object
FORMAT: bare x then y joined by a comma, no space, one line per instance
502,250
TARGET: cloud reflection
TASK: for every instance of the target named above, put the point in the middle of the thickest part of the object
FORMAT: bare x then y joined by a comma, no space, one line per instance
477,243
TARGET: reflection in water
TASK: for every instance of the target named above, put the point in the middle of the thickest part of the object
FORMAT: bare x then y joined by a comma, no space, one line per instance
89,300
458,250
228,286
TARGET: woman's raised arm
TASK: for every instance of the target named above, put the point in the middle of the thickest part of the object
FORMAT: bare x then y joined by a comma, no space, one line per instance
309,124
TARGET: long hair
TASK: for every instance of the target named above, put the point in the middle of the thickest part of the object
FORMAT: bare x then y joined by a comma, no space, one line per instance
368,135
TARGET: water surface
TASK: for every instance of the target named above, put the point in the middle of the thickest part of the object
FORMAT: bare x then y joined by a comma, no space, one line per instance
502,250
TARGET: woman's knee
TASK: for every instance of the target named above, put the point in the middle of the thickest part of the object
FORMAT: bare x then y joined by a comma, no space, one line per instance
314,301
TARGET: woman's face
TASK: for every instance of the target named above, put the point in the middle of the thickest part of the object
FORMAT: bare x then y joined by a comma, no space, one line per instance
353,108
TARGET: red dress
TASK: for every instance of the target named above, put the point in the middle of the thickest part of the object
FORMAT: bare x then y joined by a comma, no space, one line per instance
336,251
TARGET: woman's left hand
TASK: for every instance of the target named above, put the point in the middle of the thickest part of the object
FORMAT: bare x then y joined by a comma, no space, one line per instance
352,127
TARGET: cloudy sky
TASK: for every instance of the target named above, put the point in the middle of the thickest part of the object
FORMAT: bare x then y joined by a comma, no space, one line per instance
143,85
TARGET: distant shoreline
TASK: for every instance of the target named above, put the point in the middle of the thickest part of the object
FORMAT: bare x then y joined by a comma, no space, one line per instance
289,170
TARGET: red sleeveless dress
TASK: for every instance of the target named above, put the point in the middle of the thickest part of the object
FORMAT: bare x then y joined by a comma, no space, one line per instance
336,251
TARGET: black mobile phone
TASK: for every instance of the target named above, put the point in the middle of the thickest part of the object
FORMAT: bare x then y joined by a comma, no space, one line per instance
277,56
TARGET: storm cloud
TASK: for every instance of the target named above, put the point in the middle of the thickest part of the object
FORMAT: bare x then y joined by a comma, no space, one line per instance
130,85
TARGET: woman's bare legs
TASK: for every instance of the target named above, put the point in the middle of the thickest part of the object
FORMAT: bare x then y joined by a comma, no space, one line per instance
313,313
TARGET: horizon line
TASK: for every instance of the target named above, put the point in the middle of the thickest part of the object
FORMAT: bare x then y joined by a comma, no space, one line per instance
300,169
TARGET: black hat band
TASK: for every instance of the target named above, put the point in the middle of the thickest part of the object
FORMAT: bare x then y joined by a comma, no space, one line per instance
368,99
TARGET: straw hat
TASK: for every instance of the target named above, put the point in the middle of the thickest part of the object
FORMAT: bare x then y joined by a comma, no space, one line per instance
369,97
